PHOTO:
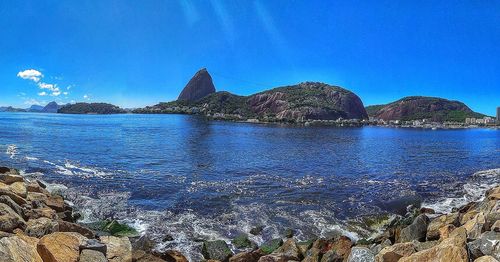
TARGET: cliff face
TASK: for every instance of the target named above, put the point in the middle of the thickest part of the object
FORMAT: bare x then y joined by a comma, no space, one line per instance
198,87
309,100
51,107
418,107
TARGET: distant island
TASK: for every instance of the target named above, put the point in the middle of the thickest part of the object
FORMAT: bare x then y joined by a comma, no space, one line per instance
303,103
420,107
295,103
91,108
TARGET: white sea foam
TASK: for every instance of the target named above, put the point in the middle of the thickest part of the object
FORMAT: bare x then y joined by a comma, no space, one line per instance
11,151
30,158
473,190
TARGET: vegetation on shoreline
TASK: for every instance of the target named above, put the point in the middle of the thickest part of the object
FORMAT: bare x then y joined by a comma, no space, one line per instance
91,108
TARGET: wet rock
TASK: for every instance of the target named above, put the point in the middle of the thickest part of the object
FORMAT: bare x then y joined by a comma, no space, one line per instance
426,210
9,178
60,247
304,246
167,238
94,244
361,254
251,256
490,220
487,244
376,248
486,259
72,227
40,227
118,229
312,255
119,249
256,230
395,252
217,249
173,256
9,219
437,223
41,212
289,251
149,258
19,249
341,246
269,246
88,255
242,241
289,233
415,231
331,256
474,226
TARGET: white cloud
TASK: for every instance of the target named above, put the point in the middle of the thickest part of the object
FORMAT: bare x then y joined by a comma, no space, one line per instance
65,93
30,74
85,96
51,87
42,93
56,93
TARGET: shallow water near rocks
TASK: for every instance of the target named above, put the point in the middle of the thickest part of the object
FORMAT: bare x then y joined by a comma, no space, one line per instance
195,179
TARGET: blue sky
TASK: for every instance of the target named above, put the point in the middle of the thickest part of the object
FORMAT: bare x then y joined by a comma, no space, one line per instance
137,53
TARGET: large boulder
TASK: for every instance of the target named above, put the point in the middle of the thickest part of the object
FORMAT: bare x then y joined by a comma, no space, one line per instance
416,230
487,244
474,226
19,249
72,227
217,250
361,254
433,229
119,249
198,87
395,252
40,227
88,255
269,246
60,247
250,256
486,259
9,219
11,177
288,251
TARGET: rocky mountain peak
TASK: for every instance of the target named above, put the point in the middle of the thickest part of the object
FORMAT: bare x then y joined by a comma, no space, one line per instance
198,87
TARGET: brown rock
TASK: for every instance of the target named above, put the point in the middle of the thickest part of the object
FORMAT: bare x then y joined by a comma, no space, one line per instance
288,251
35,187
18,188
437,223
496,226
119,249
72,227
19,249
55,202
60,247
395,252
41,212
40,227
16,198
88,255
9,219
474,226
252,256
441,253
10,178
341,246
486,259
312,255
173,256
445,231
149,258
8,201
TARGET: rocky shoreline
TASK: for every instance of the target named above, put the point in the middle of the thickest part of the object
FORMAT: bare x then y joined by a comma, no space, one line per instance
36,225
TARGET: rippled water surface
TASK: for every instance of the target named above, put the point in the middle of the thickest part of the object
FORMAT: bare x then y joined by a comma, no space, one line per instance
196,179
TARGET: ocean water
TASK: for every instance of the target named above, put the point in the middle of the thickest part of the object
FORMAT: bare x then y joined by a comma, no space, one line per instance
196,179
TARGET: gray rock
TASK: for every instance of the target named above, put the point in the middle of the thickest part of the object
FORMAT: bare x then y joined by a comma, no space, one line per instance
8,201
361,254
94,244
487,244
9,219
217,250
88,255
415,231
331,256
198,87
40,227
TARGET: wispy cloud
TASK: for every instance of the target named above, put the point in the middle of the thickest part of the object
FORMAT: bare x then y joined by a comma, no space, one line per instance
224,18
190,11
42,93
